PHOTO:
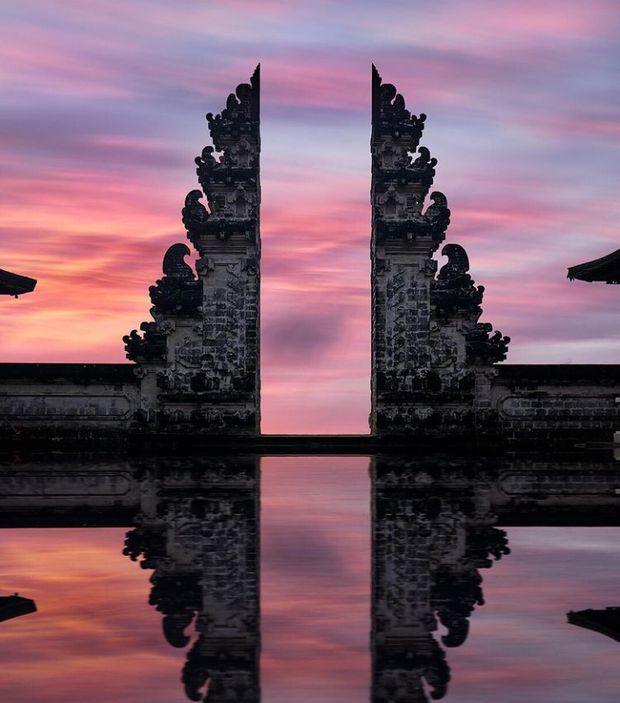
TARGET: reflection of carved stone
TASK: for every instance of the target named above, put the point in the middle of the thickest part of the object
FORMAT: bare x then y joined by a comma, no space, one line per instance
430,539
198,532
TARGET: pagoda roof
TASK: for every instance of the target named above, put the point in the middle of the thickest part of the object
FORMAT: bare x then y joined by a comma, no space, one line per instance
607,269
14,606
606,622
14,284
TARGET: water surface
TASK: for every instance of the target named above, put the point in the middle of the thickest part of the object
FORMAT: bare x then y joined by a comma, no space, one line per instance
313,579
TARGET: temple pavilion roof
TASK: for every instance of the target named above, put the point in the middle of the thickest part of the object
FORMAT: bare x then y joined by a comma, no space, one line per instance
13,284
606,621
607,269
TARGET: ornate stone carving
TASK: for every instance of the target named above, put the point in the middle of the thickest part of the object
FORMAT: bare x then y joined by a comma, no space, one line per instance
198,533
150,347
230,182
391,116
194,215
454,290
399,182
484,347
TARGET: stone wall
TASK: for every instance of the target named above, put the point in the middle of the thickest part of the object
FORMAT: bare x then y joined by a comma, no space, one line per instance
106,492
77,399
555,401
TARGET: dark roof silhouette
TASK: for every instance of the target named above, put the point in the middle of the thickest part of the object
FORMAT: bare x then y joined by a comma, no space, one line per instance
606,622
14,606
607,269
13,284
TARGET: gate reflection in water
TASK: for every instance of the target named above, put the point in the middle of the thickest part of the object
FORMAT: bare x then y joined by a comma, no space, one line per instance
238,550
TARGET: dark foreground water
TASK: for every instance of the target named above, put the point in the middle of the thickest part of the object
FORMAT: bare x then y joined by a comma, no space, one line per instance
314,580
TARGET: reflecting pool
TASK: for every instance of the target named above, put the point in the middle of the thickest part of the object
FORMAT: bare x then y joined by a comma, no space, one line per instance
311,579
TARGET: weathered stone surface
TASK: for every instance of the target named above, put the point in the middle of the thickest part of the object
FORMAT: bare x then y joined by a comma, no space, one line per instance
432,360
557,401
84,399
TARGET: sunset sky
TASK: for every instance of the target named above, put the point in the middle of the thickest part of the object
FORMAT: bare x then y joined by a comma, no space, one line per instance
103,105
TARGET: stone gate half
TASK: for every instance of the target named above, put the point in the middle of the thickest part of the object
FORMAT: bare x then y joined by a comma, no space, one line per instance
198,359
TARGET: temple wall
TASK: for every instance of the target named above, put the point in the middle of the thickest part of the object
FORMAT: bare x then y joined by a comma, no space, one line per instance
555,400
67,397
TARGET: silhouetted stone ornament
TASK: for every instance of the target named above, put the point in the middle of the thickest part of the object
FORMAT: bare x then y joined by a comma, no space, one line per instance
174,628
389,110
196,672
178,293
454,289
194,214
149,347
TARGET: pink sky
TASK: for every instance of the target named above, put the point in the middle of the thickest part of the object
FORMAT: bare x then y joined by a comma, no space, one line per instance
103,111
